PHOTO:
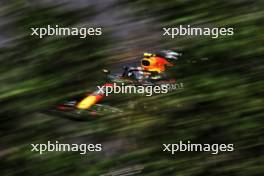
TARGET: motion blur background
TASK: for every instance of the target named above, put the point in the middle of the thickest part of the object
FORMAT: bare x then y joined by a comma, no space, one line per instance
222,100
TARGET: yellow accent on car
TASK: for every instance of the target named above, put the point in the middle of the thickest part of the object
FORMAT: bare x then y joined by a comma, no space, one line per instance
147,54
87,102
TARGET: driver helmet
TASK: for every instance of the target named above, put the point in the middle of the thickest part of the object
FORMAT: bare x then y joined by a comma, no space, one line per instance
157,62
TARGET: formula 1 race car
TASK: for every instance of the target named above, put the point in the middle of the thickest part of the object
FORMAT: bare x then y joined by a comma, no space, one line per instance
151,72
